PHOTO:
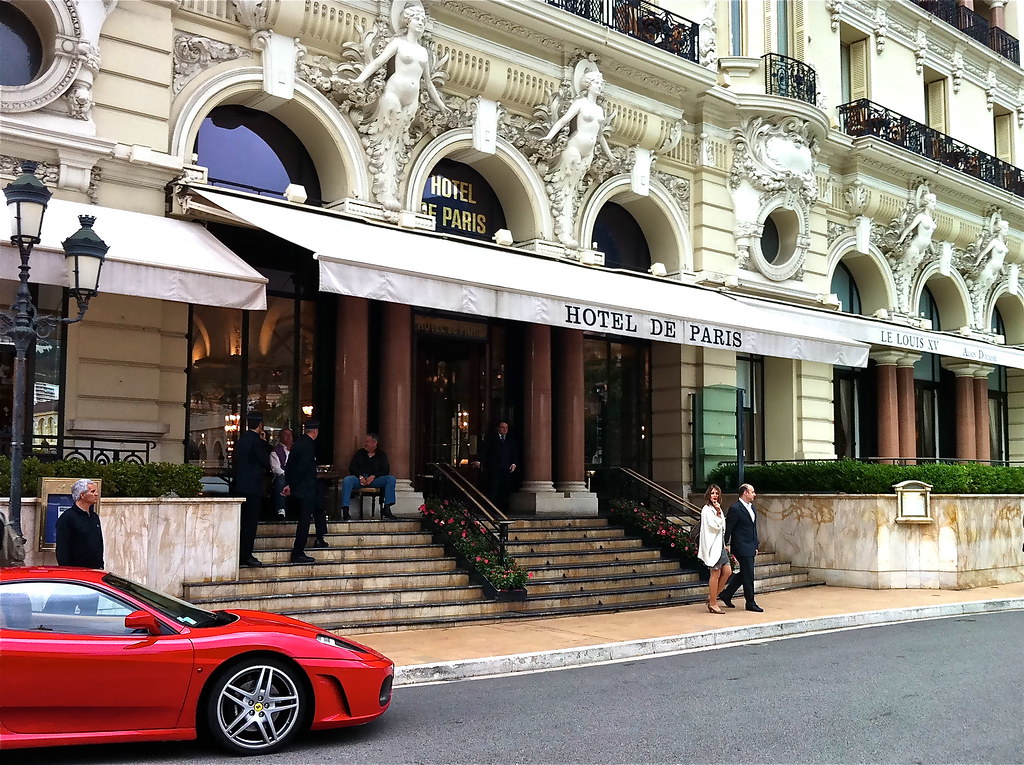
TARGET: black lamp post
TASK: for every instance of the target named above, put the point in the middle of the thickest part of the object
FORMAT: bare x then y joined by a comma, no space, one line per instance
84,251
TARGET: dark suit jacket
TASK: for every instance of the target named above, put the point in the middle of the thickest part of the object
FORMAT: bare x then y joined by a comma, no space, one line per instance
498,456
250,463
300,472
741,532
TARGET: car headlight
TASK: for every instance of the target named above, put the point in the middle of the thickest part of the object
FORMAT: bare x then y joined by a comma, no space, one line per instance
337,642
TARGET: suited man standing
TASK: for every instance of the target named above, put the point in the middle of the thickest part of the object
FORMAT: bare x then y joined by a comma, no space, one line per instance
300,473
498,457
250,462
741,541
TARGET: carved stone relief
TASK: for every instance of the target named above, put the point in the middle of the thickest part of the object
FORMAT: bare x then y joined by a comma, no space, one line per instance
707,37
983,262
194,54
907,242
50,174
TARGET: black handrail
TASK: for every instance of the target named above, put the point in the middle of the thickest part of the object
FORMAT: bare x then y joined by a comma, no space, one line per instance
102,451
866,118
1005,44
974,26
451,485
624,483
790,78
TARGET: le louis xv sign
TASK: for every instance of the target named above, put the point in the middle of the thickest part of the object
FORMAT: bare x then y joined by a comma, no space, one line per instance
652,327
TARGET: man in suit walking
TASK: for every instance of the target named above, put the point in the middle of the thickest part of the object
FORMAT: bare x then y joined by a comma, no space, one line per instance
741,541
250,462
300,473
498,458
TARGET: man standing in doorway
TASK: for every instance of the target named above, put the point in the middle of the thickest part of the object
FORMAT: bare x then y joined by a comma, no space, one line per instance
79,537
278,459
250,462
300,472
499,457
741,534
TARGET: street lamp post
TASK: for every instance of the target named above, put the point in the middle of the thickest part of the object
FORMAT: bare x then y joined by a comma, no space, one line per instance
84,251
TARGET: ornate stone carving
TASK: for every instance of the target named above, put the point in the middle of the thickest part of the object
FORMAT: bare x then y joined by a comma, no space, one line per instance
991,83
835,8
856,197
678,187
920,48
194,53
49,174
881,29
707,37
984,261
835,230
907,242
958,69
79,100
251,13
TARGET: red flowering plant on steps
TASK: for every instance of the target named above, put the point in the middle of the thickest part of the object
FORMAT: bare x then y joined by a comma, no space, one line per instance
656,528
472,541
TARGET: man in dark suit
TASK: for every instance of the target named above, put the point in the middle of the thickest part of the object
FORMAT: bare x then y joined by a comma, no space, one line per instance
300,473
250,462
741,541
499,457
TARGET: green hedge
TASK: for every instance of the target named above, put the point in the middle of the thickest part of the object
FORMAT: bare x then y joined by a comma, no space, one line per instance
120,479
854,477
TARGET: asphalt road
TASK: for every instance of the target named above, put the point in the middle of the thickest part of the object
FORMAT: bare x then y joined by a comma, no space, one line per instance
945,690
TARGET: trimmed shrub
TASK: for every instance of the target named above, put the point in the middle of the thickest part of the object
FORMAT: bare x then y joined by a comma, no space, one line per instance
120,479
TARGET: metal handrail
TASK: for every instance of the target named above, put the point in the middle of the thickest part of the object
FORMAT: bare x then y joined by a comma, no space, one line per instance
625,483
452,485
102,451
974,26
790,78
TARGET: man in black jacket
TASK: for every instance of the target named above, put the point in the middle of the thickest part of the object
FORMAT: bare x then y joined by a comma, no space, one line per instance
369,468
498,459
300,473
250,463
79,536
741,534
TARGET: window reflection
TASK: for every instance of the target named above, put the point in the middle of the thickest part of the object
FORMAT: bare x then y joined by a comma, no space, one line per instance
617,422
621,239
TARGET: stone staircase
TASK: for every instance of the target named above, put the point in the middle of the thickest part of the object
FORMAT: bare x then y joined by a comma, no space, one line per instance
379,576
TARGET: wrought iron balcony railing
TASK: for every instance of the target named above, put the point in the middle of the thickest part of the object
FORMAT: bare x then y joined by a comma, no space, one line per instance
974,26
640,19
100,450
865,118
790,77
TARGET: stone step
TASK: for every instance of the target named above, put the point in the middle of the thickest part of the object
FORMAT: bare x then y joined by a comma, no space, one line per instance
374,538
575,533
349,554
325,567
572,545
589,557
354,582
611,568
558,522
596,584
339,599
344,619
287,528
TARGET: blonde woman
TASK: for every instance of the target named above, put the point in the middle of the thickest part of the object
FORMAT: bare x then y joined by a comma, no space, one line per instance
712,545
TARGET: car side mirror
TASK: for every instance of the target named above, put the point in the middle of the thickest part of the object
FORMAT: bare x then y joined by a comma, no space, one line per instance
142,620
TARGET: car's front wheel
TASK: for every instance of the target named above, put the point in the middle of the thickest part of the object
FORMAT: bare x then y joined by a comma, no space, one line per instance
256,706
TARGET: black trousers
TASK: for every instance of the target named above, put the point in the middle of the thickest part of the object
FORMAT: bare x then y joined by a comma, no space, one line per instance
499,488
308,509
251,508
745,576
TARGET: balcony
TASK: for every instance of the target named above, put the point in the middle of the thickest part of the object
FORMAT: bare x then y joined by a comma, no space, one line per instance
790,78
974,26
640,19
864,118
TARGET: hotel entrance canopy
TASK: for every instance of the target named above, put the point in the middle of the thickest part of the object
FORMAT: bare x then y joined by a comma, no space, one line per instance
150,256
430,271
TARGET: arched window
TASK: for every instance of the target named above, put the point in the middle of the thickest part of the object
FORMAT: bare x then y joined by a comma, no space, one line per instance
998,325
462,202
248,149
933,388
22,49
621,239
845,286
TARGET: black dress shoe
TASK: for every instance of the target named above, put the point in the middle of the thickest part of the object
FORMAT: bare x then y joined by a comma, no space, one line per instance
727,602
302,558
344,514
320,543
252,560
385,512
755,607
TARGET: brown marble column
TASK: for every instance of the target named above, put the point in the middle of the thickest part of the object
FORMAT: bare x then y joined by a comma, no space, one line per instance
351,372
888,400
997,14
537,494
906,404
569,471
965,445
396,389
982,438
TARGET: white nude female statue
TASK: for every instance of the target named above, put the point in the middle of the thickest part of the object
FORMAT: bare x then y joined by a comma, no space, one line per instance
572,164
922,226
388,131
995,250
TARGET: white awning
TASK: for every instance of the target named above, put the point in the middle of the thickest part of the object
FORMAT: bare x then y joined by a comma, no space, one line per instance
149,256
893,335
431,271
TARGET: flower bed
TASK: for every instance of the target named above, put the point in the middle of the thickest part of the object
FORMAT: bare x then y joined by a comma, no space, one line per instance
473,544
656,529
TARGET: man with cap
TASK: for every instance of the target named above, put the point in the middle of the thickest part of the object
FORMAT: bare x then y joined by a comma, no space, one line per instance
300,473
250,462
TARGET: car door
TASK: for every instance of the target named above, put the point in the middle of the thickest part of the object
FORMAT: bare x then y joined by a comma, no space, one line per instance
69,665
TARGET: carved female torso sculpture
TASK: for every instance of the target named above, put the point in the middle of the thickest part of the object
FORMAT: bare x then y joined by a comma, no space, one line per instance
920,230
996,251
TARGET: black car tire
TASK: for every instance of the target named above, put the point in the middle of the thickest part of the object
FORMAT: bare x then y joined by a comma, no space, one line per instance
256,706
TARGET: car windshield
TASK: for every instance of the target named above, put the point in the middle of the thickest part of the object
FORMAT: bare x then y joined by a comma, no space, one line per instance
171,607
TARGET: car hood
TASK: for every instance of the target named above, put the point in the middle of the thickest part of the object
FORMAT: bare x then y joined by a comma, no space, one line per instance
263,620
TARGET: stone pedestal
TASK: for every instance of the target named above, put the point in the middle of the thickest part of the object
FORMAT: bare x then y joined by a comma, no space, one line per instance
539,498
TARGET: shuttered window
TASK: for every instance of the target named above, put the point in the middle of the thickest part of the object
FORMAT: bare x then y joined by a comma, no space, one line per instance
855,71
1004,137
935,105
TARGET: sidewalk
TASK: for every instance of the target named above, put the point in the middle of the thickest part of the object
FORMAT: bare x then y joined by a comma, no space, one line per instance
429,655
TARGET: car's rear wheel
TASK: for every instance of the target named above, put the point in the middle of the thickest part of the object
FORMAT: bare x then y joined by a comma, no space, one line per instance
256,706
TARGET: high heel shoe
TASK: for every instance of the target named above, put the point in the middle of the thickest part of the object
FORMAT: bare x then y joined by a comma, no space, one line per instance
715,610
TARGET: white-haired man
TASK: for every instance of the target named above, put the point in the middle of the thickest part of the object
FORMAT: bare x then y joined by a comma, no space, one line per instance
79,536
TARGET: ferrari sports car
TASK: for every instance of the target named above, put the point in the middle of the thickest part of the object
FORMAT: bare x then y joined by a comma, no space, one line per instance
89,657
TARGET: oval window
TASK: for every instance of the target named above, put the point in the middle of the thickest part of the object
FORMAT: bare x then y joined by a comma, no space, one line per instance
22,49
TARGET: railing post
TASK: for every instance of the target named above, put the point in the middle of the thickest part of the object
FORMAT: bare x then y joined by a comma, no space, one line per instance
503,538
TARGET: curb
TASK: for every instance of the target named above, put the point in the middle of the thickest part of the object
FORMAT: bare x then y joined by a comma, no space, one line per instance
562,658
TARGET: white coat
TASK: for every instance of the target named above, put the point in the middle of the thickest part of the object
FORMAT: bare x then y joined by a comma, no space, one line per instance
712,535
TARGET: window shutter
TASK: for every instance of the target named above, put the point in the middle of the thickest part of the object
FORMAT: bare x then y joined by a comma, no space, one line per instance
799,33
859,70
1004,137
937,105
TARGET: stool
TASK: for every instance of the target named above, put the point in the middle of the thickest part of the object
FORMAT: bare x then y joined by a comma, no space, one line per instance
373,492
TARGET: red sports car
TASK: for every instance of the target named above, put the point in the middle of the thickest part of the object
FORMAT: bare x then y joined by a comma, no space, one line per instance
90,657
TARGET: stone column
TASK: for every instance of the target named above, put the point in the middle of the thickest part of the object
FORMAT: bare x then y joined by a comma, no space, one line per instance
966,447
907,406
997,13
569,426
537,493
982,438
888,401
350,377
396,401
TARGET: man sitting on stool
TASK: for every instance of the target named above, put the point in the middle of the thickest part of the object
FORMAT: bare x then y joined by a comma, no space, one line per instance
369,469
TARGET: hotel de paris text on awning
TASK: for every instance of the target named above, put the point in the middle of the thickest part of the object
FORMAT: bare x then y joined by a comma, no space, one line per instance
431,271
150,256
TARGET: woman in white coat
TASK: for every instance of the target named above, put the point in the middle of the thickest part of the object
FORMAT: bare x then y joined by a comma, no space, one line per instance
712,545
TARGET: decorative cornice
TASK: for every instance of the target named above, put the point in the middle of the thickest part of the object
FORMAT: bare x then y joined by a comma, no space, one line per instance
195,53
